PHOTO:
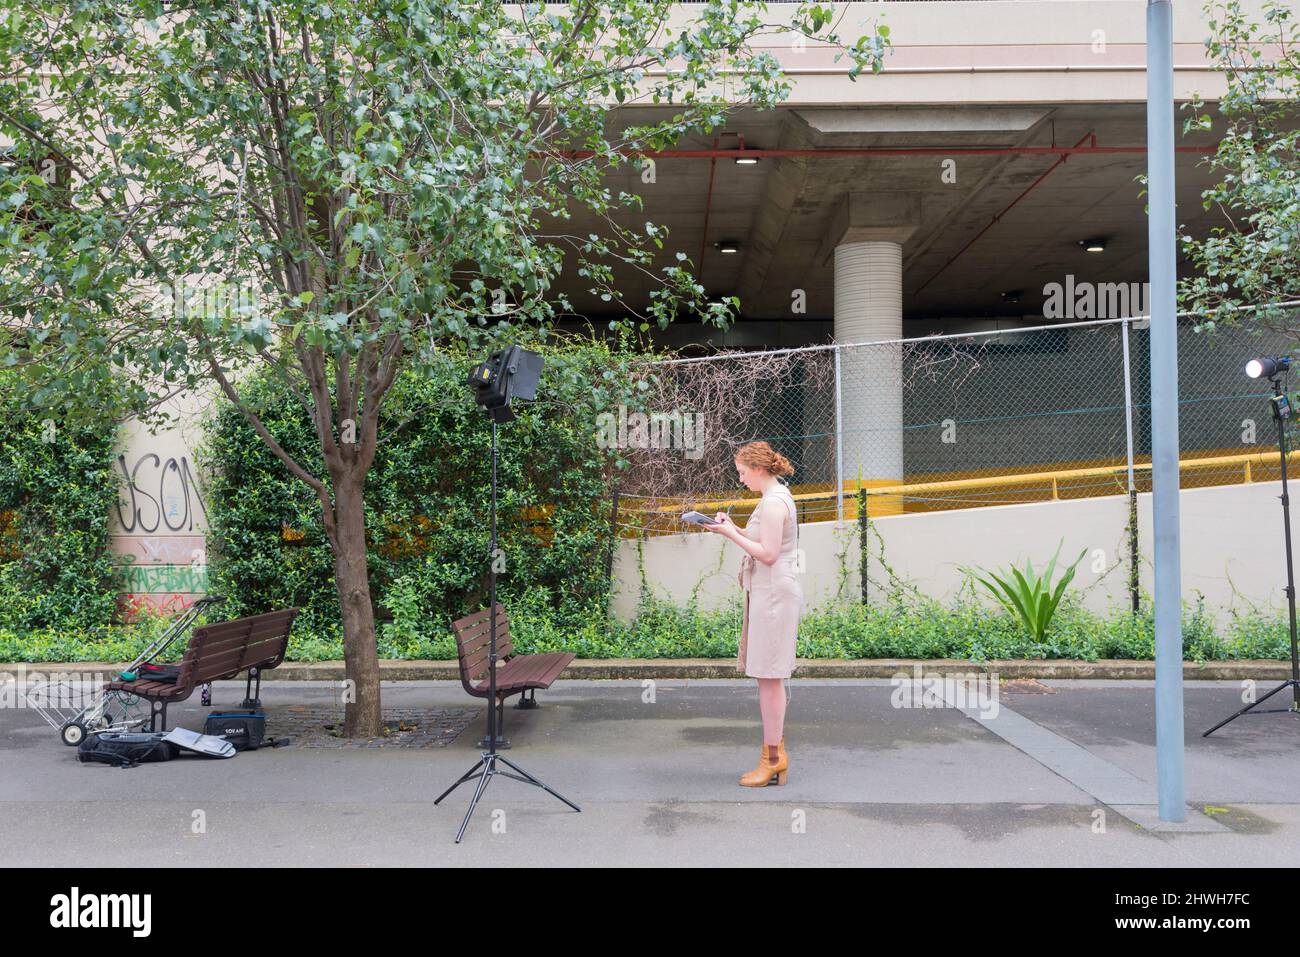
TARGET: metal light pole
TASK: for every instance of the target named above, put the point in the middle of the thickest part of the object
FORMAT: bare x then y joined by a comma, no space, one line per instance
1164,411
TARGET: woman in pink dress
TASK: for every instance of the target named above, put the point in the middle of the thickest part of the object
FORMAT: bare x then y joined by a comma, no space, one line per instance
773,597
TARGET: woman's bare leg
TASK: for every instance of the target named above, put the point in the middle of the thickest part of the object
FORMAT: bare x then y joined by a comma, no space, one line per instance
771,703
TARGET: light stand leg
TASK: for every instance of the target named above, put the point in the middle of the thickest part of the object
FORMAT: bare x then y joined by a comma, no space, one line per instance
1253,705
478,793
532,780
463,778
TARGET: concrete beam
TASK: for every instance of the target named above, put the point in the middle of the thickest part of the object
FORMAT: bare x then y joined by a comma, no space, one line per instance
921,120
782,190
891,216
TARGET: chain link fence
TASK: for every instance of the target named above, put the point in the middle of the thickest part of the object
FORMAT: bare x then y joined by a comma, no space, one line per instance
955,421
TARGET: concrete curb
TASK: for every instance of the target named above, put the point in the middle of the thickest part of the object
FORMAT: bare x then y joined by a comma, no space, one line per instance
664,668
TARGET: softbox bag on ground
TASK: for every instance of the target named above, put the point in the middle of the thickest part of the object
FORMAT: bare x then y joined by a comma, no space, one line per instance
125,749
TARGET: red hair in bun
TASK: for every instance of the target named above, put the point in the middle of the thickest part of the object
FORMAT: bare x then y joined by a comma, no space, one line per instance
760,455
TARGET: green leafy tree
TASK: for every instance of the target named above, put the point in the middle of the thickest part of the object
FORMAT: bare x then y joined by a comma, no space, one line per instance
333,190
1255,258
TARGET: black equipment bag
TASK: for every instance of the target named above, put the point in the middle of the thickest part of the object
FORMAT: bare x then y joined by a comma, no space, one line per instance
245,728
125,749
167,674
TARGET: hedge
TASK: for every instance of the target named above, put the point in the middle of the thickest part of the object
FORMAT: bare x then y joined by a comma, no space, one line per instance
57,490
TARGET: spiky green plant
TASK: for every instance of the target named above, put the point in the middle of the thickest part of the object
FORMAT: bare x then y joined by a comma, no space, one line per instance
1029,597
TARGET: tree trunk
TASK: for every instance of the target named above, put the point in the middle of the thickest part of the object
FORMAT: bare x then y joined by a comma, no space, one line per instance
351,577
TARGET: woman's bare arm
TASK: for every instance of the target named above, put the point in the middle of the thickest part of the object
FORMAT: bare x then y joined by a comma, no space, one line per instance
767,548
770,532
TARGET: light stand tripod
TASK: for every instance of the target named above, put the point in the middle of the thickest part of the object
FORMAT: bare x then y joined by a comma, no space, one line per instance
1281,413
495,375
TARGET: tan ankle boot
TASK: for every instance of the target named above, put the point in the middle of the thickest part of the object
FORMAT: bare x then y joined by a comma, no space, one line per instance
767,770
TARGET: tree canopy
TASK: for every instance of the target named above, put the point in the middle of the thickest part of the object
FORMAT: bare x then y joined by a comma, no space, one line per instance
1254,259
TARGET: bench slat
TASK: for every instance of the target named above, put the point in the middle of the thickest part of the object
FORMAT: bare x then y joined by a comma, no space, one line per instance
477,663
226,656
478,642
470,624
155,689
212,667
225,633
534,671
520,673
248,650
473,642
477,634
504,646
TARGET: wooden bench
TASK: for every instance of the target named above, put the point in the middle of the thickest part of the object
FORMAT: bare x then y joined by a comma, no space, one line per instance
516,674
218,651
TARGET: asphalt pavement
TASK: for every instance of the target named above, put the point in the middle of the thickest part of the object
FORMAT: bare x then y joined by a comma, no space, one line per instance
1053,772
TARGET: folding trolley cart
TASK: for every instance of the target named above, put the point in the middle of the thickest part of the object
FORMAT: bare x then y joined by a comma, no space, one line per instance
77,706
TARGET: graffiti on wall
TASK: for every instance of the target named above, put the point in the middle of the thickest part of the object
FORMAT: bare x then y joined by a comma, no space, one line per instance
154,579
160,549
161,517
159,493
133,606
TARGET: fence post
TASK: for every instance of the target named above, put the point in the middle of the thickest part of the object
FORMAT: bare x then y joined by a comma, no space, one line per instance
862,540
839,443
613,537
1133,570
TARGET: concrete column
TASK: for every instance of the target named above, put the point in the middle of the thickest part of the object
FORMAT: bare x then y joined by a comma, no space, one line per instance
866,241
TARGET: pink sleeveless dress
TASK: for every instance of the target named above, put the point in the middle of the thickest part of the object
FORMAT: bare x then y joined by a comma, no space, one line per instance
773,600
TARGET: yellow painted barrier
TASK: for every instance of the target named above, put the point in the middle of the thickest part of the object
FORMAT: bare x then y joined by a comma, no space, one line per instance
889,497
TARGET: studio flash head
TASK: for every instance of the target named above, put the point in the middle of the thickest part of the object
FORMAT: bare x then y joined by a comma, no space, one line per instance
506,375
1267,366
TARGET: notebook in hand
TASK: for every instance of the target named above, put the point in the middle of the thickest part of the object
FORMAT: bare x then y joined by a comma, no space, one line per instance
696,518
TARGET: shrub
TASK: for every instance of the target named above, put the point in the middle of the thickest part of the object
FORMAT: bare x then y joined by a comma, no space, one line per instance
57,489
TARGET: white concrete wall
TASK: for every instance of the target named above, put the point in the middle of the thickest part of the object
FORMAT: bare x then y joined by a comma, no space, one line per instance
158,529
1000,52
1232,552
